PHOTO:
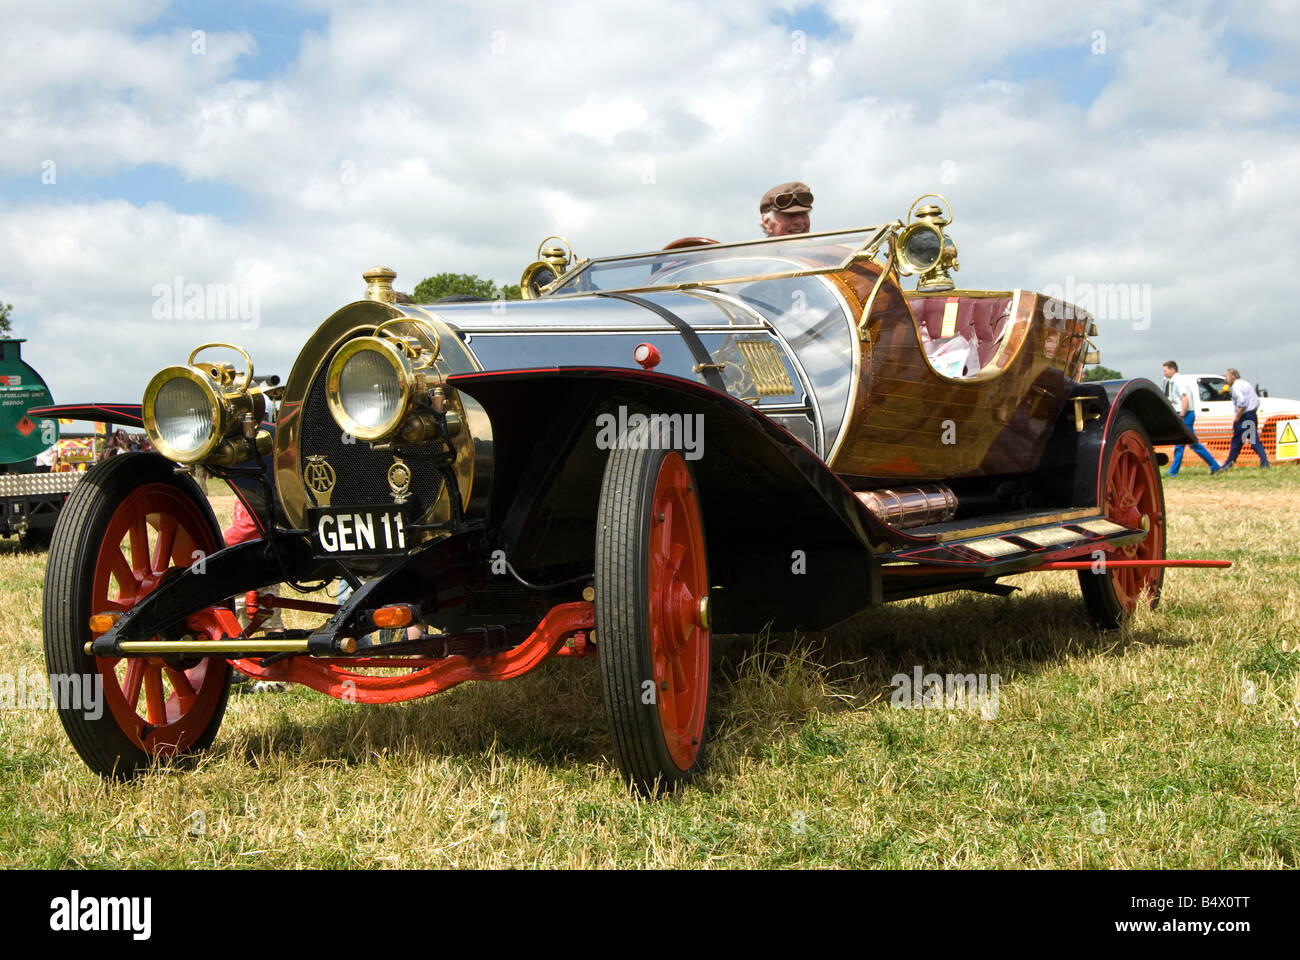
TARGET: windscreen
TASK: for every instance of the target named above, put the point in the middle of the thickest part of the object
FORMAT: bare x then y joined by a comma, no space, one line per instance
717,264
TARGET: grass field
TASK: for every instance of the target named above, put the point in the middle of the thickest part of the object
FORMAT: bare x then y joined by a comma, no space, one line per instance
1169,744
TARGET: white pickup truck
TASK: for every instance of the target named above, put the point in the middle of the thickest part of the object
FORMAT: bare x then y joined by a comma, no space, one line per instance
1279,421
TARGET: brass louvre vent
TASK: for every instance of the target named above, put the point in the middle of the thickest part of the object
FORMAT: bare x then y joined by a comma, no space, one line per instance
994,547
765,366
1103,527
1049,537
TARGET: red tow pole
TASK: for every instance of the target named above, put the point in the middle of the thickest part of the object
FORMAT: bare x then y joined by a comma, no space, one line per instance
1090,564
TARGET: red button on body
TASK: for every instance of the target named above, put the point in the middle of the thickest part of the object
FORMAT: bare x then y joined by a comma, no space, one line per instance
646,355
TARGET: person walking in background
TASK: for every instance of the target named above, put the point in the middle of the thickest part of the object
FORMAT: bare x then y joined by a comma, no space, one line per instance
1179,389
1245,423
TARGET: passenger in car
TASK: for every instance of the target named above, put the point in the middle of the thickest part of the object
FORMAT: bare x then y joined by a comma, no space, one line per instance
784,209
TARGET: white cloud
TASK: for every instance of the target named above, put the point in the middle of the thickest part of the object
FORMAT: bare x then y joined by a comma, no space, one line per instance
1172,73
604,119
400,136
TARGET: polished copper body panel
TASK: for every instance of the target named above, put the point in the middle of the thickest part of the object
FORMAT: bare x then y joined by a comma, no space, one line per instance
998,419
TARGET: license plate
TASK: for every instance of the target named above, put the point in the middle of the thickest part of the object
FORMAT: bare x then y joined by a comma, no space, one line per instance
358,531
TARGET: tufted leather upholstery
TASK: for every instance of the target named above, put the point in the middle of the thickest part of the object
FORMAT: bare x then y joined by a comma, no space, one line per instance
980,319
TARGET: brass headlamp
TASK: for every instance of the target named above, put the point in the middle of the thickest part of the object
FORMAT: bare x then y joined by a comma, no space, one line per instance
550,265
206,412
378,386
925,249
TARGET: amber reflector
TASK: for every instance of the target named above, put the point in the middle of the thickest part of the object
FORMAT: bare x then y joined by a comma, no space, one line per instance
103,622
392,616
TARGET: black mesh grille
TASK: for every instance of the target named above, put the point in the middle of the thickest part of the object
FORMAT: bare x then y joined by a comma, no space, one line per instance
362,472
502,598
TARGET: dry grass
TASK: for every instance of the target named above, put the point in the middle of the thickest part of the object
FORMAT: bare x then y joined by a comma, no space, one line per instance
1169,744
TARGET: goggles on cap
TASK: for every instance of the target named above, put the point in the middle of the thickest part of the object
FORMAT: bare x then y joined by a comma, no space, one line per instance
783,200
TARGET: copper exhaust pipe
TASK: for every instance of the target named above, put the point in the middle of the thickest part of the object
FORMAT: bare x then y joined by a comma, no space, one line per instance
911,506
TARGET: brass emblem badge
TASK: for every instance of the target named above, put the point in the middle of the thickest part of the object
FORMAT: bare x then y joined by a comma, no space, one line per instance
320,479
399,480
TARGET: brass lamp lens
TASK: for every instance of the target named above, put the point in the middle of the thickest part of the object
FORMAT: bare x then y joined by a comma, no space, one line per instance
920,247
368,388
182,414
535,277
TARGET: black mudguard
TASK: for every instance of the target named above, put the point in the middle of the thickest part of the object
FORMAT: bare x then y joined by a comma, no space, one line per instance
1069,473
788,542
243,481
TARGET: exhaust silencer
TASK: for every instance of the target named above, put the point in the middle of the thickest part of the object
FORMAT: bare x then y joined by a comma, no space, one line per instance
911,506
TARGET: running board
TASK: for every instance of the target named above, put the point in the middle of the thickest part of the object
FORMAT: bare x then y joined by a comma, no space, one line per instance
1026,547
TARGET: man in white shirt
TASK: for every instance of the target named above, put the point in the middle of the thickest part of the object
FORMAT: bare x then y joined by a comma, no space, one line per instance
1245,426
1179,389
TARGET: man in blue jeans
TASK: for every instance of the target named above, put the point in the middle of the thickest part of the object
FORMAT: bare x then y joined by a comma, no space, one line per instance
1179,391
1245,426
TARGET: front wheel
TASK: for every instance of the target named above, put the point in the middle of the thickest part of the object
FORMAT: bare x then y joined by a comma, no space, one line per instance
128,524
1131,494
652,616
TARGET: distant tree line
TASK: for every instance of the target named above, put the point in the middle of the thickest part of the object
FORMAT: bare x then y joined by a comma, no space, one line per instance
462,285
1101,373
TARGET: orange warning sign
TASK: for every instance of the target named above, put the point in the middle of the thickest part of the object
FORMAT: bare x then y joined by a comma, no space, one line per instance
25,426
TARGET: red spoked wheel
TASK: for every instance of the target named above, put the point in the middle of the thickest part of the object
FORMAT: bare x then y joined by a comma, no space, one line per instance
652,616
128,524
1131,494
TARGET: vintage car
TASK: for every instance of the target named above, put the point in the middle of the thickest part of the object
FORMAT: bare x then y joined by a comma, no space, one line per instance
648,450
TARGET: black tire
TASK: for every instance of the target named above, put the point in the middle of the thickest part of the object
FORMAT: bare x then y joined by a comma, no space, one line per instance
104,499
1111,597
658,721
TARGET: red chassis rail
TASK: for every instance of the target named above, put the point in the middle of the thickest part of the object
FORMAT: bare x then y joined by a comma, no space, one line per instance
420,676
424,676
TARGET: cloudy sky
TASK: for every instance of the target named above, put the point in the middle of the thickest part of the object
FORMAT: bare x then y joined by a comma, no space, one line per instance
286,147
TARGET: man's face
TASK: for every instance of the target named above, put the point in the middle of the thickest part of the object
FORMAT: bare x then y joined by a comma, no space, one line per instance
1229,378
782,224
1169,371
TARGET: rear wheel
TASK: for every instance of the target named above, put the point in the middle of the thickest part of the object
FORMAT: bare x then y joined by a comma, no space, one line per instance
652,624
1132,495
126,526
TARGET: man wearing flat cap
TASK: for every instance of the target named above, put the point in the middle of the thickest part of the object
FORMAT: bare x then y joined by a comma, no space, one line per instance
785,209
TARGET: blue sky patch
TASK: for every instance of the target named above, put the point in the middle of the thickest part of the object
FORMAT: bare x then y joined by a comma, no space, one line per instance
146,183
277,27
1076,73
810,18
